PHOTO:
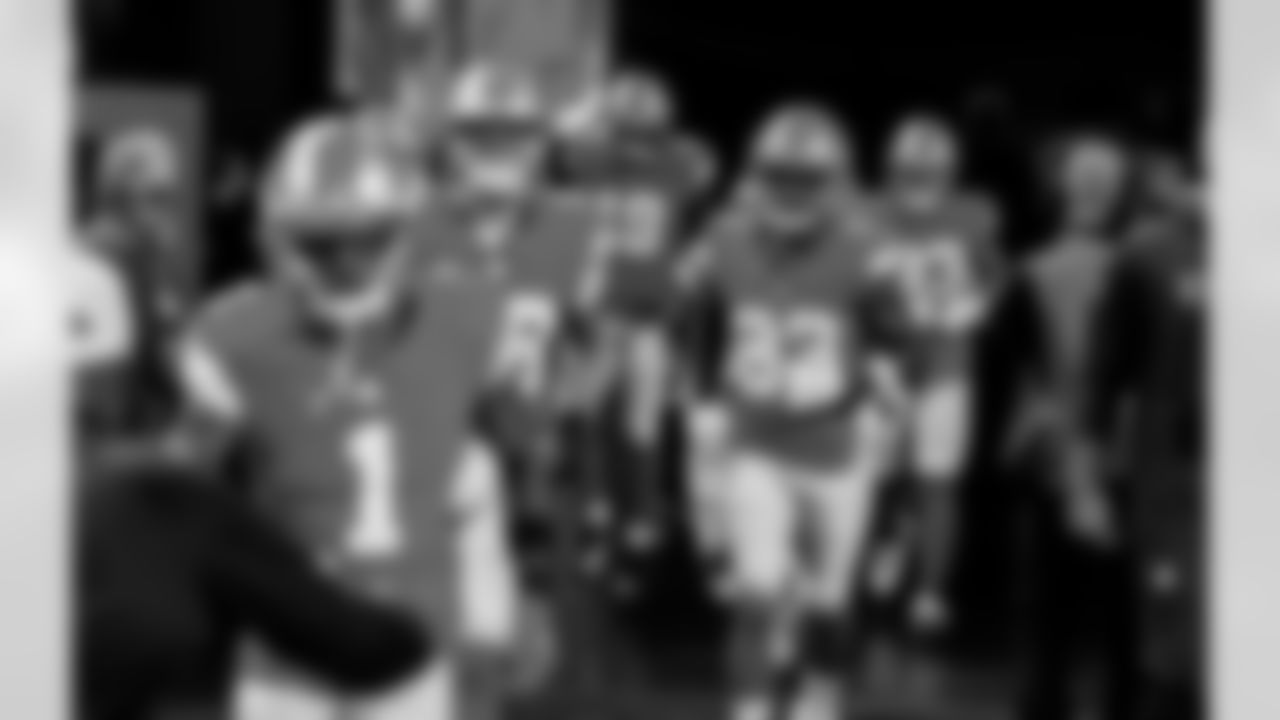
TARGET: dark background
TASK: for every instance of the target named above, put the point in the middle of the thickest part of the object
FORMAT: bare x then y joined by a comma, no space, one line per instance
1136,62
1009,71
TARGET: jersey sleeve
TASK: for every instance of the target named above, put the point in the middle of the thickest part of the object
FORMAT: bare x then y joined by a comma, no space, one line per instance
216,418
279,596
206,358
102,323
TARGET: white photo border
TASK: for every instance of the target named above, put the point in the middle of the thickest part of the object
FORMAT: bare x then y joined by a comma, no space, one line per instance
35,111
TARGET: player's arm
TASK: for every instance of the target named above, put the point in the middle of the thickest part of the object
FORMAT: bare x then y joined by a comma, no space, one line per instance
702,337
213,411
493,513
878,312
1036,419
207,430
279,596
989,266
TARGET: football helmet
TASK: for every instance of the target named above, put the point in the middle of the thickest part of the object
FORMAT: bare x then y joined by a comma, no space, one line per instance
336,218
638,100
498,134
1093,174
138,177
923,162
799,167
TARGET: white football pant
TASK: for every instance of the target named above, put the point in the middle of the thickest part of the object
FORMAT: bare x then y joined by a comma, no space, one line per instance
940,430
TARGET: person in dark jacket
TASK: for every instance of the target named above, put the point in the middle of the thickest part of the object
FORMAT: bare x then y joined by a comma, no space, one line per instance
173,575
1079,574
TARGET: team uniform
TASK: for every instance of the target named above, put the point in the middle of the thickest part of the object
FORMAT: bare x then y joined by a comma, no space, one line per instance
801,326
945,265
643,187
364,451
541,251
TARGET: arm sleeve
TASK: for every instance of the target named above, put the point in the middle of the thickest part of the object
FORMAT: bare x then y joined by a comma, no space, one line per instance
1124,331
488,568
208,429
276,594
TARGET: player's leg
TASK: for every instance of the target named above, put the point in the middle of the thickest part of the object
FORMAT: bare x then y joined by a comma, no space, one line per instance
838,514
894,531
644,412
486,588
761,534
707,478
257,697
938,455
431,695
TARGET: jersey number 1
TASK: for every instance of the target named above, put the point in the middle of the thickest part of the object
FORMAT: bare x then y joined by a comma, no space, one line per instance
371,452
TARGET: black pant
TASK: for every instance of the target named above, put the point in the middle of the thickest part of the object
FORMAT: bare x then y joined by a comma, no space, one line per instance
172,573
1081,604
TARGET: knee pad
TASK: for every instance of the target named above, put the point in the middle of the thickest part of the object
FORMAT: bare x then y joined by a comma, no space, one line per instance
827,641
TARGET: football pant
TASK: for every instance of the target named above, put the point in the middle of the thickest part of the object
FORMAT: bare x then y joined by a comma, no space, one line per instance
430,695
645,381
941,427
797,532
486,569
707,473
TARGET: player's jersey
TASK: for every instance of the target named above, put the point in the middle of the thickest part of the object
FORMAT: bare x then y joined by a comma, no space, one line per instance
801,324
645,186
541,249
945,266
354,447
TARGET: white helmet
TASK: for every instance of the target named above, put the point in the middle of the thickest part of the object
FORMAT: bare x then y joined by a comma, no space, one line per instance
803,136
800,163
498,133
923,161
336,217
637,99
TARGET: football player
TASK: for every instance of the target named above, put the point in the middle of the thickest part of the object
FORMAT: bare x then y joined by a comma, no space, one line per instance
348,379
496,211
809,357
643,173
944,257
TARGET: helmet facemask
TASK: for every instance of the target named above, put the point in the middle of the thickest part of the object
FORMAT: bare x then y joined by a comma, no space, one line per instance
351,275
338,222
800,165
923,165
496,158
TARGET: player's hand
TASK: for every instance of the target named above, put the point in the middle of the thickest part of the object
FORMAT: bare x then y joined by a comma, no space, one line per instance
1090,512
1091,518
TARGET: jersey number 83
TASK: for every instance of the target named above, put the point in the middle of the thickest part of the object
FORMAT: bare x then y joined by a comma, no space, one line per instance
793,360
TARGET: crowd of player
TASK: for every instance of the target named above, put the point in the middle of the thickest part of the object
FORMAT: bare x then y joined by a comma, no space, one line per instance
447,328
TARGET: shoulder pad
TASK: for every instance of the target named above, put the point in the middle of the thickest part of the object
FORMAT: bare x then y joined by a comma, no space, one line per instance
236,316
